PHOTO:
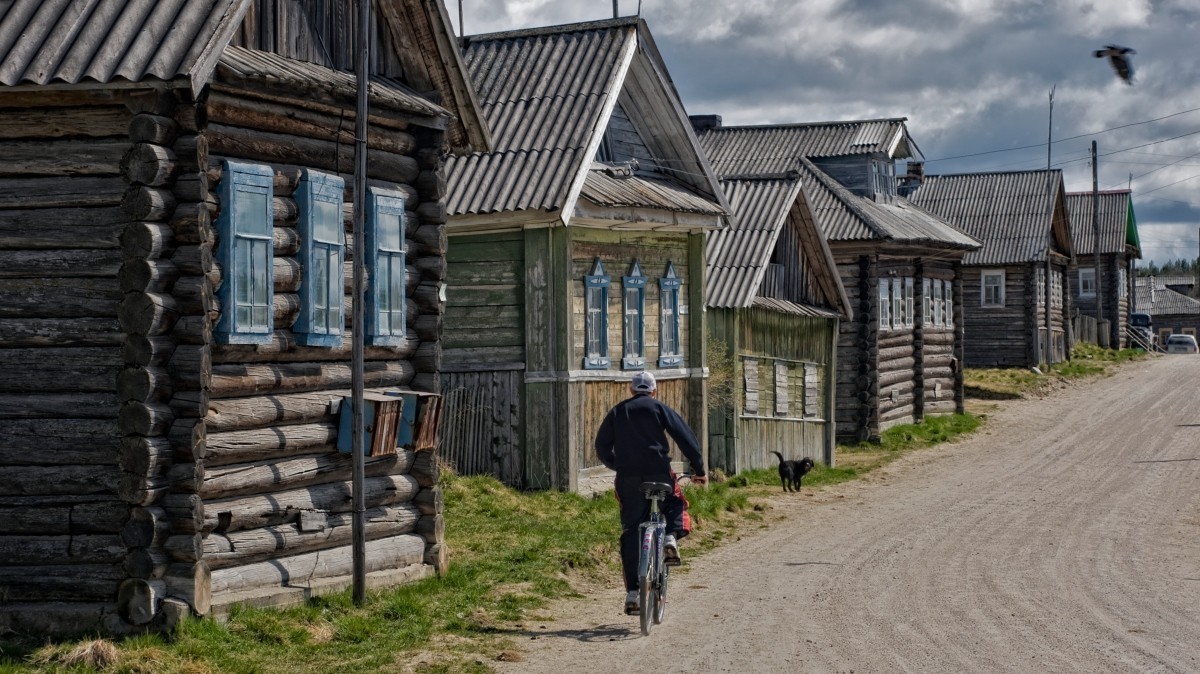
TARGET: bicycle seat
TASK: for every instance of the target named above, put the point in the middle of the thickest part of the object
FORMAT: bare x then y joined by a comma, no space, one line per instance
657,489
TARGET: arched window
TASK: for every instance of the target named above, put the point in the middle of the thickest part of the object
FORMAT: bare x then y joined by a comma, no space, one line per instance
668,291
634,305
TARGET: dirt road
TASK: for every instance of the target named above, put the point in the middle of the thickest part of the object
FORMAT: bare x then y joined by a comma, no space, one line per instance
1063,538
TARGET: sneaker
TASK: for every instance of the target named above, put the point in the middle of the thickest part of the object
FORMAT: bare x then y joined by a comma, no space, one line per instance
631,602
671,551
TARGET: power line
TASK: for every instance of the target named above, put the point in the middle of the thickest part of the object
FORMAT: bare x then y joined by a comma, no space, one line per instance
1063,140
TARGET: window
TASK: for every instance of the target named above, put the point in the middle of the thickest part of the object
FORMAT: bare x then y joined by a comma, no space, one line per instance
385,320
885,305
668,304
246,254
634,287
1087,281
992,290
1056,286
1122,283
897,303
1041,287
322,241
948,314
781,389
908,301
595,318
750,381
927,302
939,303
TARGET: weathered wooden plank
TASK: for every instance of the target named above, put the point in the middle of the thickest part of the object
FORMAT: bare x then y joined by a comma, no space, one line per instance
46,370
40,519
467,338
94,157
239,380
489,248
484,317
232,141
59,297
385,553
99,405
497,354
54,550
61,192
484,296
95,121
255,545
61,228
276,442
290,473
236,414
73,583
283,348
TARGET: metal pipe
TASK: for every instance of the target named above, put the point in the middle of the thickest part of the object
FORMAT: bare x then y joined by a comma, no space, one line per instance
359,523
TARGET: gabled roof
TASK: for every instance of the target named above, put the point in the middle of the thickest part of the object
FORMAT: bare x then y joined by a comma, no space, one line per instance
177,43
547,95
738,256
739,150
1158,300
845,216
1008,212
1118,227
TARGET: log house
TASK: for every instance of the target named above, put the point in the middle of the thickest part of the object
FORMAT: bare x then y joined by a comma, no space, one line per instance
1021,218
1171,311
173,207
898,359
1119,247
576,251
774,304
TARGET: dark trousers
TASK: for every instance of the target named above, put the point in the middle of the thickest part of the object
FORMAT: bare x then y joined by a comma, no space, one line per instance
635,509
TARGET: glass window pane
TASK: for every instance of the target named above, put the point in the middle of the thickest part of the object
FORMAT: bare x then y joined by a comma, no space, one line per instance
319,278
389,232
243,273
397,280
327,222
251,212
262,272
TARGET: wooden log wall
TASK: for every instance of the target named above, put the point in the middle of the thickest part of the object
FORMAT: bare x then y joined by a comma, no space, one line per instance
997,336
939,363
485,301
62,227
858,352
257,481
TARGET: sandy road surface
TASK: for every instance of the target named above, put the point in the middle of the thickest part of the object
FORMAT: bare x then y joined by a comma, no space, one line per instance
1064,538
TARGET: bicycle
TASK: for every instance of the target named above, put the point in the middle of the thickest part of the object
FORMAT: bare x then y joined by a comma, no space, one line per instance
652,567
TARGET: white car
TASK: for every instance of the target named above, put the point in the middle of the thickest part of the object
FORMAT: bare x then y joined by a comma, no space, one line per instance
1182,344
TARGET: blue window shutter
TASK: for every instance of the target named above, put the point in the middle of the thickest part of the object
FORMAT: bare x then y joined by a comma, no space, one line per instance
668,340
322,254
385,319
633,305
246,254
595,329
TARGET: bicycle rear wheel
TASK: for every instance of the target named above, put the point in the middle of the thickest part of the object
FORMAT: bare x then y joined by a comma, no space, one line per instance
647,597
660,596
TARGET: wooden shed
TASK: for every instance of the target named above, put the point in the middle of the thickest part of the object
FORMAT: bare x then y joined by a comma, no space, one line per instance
1104,291
1021,218
1171,312
897,359
774,303
576,251
174,207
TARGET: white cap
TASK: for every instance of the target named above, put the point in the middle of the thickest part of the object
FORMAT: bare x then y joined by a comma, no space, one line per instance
643,382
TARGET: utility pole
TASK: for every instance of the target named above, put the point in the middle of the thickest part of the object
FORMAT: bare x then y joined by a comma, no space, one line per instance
358,435
1096,234
1050,194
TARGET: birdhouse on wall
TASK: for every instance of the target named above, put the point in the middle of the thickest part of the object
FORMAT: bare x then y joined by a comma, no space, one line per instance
394,419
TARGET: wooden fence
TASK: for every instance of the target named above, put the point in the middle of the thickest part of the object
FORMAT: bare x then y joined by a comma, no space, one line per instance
1088,329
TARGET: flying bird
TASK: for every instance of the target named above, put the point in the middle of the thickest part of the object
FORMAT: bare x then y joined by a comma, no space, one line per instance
1118,57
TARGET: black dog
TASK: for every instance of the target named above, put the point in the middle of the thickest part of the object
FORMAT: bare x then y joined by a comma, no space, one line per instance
792,472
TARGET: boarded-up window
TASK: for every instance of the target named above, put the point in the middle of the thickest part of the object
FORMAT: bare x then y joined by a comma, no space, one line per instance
812,405
781,388
750,380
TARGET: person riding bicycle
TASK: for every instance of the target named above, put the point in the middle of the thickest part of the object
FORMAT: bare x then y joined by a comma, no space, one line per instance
632,441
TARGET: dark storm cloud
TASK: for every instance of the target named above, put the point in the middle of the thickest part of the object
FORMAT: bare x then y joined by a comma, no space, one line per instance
972,76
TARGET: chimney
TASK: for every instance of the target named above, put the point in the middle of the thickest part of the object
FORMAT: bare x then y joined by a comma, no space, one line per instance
910,181
702,123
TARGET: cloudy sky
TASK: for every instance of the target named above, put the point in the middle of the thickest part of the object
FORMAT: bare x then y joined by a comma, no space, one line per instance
971,76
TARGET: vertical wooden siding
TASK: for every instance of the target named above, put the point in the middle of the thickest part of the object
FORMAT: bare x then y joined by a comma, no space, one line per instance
485,296
482,422
590,401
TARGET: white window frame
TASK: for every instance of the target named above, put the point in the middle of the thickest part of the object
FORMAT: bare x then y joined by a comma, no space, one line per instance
668,305
983,287
633,306
1122,283
595,318
897,303
908,301
948,314
1087,282
885,304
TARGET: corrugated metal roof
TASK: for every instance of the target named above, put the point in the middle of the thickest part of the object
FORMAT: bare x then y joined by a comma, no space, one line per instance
106,41
1163,301
239,62
750,150
1167,281
737,255
1009,212
844,216
542,92
783,306
644,191
1114,221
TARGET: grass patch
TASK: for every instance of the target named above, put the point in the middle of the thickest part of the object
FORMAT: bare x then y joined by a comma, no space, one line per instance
1087,360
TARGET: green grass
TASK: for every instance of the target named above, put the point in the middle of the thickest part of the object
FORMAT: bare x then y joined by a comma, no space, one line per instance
1087,360
512,552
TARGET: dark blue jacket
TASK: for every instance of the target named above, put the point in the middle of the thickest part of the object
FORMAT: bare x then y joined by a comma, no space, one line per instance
632,439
